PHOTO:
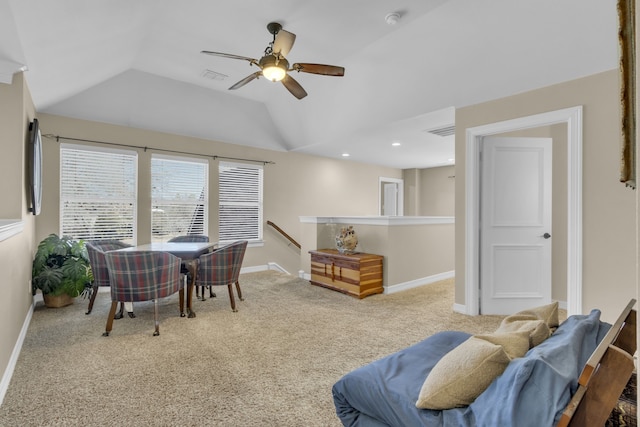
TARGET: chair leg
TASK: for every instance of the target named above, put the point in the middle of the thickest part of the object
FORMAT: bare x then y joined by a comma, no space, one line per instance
181,292
112,311
232,299
120,314
155,318
94,293
211,293
238,290
129,307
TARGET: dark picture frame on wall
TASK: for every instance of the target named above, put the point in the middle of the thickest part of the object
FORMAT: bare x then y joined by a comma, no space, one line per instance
627,41
35,167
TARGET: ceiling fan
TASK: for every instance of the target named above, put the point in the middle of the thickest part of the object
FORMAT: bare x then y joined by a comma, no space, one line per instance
274,65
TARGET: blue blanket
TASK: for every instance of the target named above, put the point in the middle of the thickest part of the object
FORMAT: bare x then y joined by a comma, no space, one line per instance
533,390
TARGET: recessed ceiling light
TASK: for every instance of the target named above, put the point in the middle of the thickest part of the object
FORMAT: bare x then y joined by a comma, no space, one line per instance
345,154
396,143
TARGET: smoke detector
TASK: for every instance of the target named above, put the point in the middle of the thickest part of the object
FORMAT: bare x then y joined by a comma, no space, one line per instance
392,18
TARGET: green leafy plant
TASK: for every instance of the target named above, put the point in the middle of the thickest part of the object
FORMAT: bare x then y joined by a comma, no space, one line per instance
61,266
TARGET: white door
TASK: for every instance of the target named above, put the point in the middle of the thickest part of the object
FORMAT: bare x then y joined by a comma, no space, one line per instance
390,203
515,224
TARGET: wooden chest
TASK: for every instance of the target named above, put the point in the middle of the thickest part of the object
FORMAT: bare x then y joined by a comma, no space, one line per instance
358,274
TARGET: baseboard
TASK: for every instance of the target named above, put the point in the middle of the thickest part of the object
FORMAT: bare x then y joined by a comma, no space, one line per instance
303,275
419,282
402,286
460,308
13,360
268,266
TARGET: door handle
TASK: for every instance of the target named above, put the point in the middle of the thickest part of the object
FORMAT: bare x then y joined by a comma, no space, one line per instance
546,235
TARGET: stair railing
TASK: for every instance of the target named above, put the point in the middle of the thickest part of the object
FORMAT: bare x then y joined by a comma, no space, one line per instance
286,236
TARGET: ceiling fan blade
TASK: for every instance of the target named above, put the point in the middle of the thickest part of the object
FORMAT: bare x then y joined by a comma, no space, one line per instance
246,80
283,42
294,87
231,56
325,70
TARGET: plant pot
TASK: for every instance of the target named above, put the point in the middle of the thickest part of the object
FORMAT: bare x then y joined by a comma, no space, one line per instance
57,301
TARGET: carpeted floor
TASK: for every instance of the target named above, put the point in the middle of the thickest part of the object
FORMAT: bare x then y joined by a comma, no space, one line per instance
270,364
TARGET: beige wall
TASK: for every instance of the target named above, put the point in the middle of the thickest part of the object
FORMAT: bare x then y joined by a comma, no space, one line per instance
437,191
16,252
609,256
411,178
429,192
296,185
415,252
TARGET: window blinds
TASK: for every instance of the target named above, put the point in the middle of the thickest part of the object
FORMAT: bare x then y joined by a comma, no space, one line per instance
98,193
240,204
179,194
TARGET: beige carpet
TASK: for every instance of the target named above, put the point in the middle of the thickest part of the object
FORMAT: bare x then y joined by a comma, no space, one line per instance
270,364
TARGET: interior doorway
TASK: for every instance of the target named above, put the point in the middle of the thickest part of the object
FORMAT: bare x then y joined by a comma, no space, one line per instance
572,117
391,196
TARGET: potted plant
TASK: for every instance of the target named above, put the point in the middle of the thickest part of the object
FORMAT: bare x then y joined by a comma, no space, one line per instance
61,270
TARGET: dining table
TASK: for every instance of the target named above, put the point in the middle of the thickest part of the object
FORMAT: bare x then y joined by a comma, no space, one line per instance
188,252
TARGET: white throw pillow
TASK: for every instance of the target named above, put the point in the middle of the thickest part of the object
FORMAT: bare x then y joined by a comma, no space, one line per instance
467,370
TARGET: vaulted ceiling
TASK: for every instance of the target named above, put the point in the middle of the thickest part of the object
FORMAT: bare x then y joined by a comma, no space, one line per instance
138,63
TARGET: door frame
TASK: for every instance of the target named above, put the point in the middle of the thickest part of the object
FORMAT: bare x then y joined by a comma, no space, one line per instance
572,117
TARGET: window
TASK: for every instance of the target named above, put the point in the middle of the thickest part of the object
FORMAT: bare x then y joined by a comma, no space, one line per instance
179,197
98,193
240,216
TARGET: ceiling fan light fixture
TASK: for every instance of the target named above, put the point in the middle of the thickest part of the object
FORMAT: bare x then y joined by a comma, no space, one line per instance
274,73
273,68
274,65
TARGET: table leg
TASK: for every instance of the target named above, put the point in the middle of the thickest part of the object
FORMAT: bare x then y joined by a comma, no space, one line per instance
192,266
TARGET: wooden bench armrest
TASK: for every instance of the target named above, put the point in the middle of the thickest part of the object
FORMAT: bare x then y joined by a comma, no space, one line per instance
605,374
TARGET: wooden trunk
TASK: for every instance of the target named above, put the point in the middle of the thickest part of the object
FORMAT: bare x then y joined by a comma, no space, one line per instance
357,274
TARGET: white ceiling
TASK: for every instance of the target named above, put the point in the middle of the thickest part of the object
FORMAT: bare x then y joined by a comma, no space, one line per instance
138,63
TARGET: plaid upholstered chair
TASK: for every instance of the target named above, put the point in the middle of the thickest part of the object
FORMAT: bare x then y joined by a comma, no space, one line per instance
96,250
222,267
184,270
142,276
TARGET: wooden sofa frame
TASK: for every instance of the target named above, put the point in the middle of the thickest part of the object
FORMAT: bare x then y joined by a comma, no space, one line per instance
605,375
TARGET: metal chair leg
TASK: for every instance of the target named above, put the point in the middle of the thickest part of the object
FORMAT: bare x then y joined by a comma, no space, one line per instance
155,317
120,314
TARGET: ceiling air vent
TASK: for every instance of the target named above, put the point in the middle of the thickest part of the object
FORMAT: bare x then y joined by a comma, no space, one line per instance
213,75
443,131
